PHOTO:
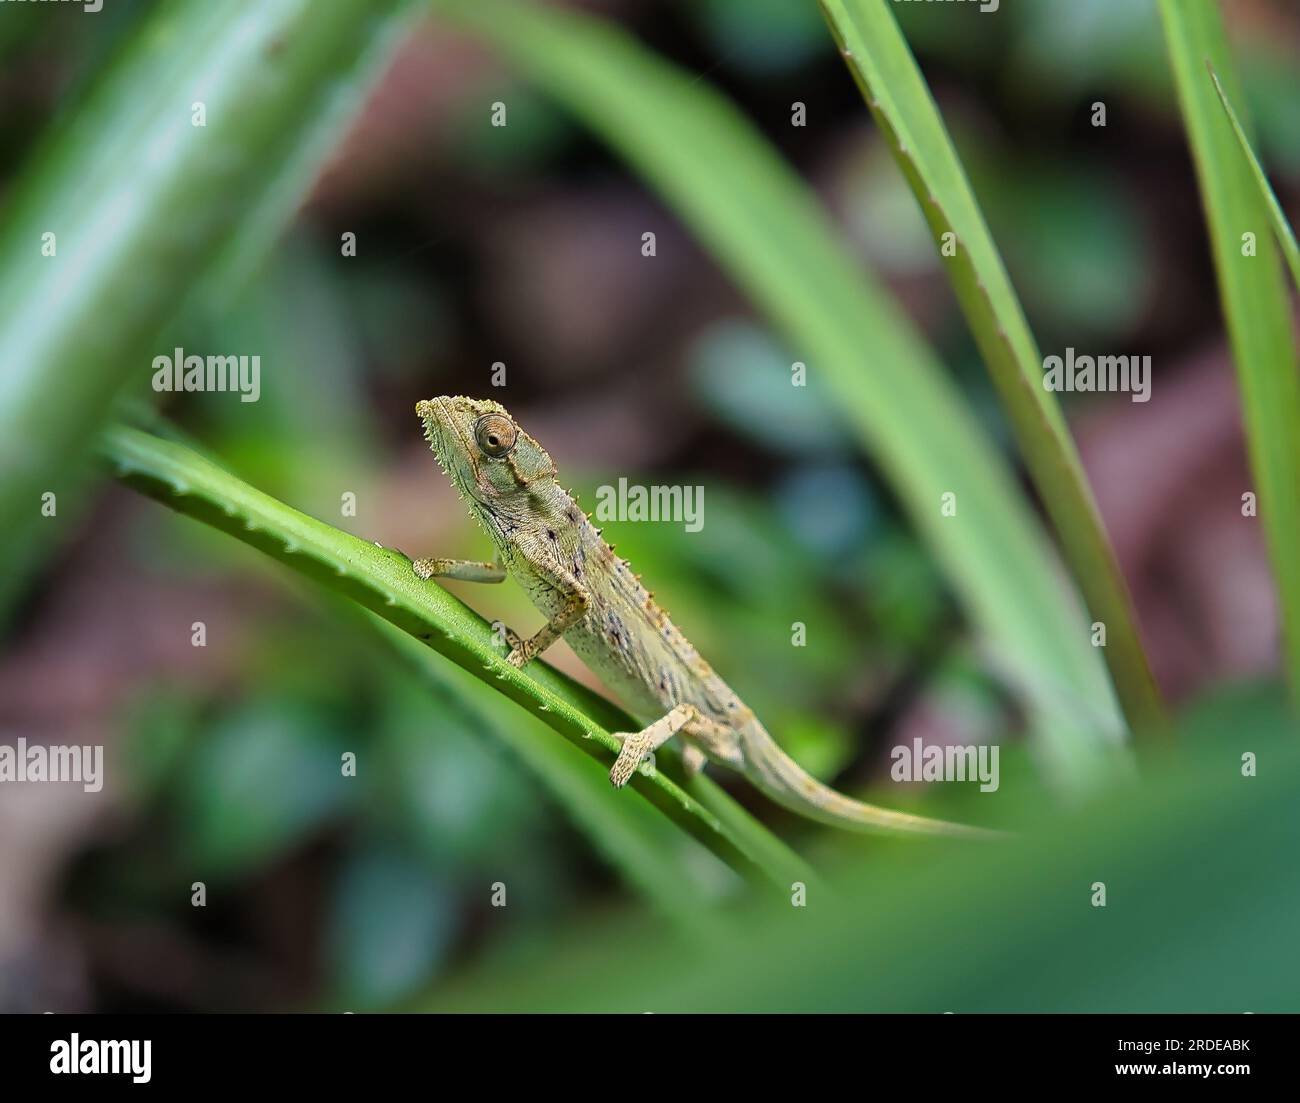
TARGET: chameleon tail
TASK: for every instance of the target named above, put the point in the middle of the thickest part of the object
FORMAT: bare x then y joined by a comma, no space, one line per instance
787,783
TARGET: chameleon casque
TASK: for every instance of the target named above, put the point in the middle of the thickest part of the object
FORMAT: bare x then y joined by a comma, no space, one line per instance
591,597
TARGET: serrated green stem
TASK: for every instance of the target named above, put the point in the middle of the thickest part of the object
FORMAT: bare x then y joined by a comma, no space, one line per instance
647,850
381,580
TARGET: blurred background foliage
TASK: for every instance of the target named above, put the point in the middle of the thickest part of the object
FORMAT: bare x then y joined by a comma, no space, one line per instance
374,892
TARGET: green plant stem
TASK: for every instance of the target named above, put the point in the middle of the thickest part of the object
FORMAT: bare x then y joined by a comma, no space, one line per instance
381,580
644,847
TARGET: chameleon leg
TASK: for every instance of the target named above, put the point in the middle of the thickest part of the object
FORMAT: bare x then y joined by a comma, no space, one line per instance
693,759
636,745
575,608
467,570
717,741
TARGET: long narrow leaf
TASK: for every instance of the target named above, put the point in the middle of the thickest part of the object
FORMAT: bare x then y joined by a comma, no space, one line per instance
896,92
1164,944
646,848
1254,296
381,580
140,200
1281,227
768,231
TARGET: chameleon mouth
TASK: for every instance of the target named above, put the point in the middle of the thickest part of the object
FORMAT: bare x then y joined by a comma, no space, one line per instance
439,425
450,443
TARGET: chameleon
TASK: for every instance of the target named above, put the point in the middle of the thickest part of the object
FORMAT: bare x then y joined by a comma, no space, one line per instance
591,598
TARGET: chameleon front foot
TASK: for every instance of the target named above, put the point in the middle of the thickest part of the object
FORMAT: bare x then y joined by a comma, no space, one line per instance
520,651
575,608
519,656
466,570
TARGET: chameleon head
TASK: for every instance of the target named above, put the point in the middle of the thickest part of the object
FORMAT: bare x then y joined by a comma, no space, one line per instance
492,462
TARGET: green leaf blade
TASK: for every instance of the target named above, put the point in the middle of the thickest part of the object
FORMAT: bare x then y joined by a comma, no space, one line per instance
1281,227
382,581
1253,293
900,101
774,240
647,849
142,201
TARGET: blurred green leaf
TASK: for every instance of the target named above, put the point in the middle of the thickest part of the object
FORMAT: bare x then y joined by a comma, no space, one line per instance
1108,43
767,230
141,201
901,103
310,434
819,746
1281,227
1198,917
264,777
534,131
441,782
903,595
743,377
1076,242
763,36
160,723
1250,707
1253,292
382,581
391,926
1273,87
671,870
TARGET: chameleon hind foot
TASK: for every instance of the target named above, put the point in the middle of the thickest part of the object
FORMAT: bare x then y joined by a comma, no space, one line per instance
693,760
638,746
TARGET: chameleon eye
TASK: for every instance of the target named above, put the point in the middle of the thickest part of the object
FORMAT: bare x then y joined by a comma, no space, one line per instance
495,434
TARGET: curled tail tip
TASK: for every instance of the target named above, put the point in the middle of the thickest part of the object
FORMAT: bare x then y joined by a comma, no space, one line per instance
777,774
904,823
981,834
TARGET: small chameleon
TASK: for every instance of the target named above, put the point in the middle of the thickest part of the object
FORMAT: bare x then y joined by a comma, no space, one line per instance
591,597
